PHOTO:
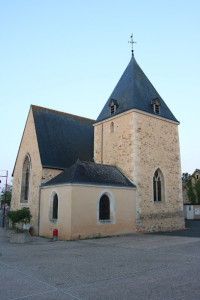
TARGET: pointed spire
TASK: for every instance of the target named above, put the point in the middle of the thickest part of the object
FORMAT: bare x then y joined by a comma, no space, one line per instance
135,91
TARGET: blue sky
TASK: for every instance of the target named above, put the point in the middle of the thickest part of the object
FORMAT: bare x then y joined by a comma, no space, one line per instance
69,55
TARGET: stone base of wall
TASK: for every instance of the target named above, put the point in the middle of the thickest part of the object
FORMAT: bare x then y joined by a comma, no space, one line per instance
20,238
161,222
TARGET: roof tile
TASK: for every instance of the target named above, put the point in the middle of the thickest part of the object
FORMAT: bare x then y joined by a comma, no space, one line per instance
91,173
62,138
135,91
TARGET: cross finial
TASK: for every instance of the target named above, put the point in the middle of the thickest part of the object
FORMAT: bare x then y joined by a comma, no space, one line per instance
132,42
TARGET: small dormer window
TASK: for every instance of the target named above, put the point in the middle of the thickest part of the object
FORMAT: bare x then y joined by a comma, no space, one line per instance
156,106
113,106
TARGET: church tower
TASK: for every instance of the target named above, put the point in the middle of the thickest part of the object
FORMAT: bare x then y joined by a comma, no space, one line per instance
138,133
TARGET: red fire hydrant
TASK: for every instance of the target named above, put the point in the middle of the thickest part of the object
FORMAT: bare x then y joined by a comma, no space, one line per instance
55,234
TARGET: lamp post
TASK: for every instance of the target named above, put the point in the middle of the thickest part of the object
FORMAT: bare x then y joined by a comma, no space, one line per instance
4,210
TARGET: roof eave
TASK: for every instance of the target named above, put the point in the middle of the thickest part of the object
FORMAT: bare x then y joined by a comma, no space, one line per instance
89,184
175,121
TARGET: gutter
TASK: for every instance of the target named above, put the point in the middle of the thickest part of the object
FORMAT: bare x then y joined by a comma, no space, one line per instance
39,211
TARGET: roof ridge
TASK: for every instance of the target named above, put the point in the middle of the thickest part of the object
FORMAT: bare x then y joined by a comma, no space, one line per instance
80,173
60,112
99,164
74,169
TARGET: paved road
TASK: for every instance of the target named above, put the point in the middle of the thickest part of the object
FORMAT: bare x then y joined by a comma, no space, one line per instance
1,219
138,266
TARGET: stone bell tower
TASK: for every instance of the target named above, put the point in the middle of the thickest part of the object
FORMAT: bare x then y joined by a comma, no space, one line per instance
138,133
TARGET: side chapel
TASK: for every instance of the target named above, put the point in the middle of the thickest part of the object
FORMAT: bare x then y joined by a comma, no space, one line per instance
118,174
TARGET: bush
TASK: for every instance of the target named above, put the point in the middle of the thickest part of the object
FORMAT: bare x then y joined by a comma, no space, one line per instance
190,193
8,195
197,190
20,216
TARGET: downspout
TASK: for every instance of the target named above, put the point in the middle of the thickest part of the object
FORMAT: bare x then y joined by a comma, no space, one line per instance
102,143
39,210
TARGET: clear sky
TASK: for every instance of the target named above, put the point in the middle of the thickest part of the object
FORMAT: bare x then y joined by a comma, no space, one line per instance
69,55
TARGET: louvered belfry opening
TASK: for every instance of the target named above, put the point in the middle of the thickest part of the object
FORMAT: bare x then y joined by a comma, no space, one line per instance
113,106
112,109
157,109
104,208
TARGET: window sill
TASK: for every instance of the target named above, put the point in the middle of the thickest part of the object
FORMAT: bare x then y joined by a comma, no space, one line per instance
53,220
105,221
24,203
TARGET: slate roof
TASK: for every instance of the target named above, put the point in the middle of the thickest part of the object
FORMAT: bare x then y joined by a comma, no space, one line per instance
62,138
134,90
91,173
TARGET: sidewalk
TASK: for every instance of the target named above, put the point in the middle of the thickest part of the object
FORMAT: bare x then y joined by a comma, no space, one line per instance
138,266
35,240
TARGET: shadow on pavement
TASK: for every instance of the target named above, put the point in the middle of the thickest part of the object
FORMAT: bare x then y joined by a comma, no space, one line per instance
192,229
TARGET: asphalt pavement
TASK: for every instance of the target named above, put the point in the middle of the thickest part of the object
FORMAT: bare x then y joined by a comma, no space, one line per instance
1,219
138,266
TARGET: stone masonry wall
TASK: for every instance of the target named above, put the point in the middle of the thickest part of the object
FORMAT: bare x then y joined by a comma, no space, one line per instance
29,146
48,174
157,146
118,145
139,145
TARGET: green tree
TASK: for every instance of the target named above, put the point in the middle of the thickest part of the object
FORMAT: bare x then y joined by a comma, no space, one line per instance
8,195
197,189
190,192
20,216
185,177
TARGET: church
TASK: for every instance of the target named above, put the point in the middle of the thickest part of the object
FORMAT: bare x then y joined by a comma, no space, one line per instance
118,174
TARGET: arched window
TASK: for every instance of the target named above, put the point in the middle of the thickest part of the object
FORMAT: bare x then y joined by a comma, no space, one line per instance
25,179
111,127
158,186
55,207
104,208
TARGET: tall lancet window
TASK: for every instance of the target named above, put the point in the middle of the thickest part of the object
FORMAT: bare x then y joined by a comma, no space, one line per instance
25,179
158,186
55,207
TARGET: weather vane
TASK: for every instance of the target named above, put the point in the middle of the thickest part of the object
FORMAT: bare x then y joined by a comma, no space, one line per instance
132,42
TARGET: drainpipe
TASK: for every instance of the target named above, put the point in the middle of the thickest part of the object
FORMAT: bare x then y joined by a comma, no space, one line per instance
101,143
39,210
4,209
